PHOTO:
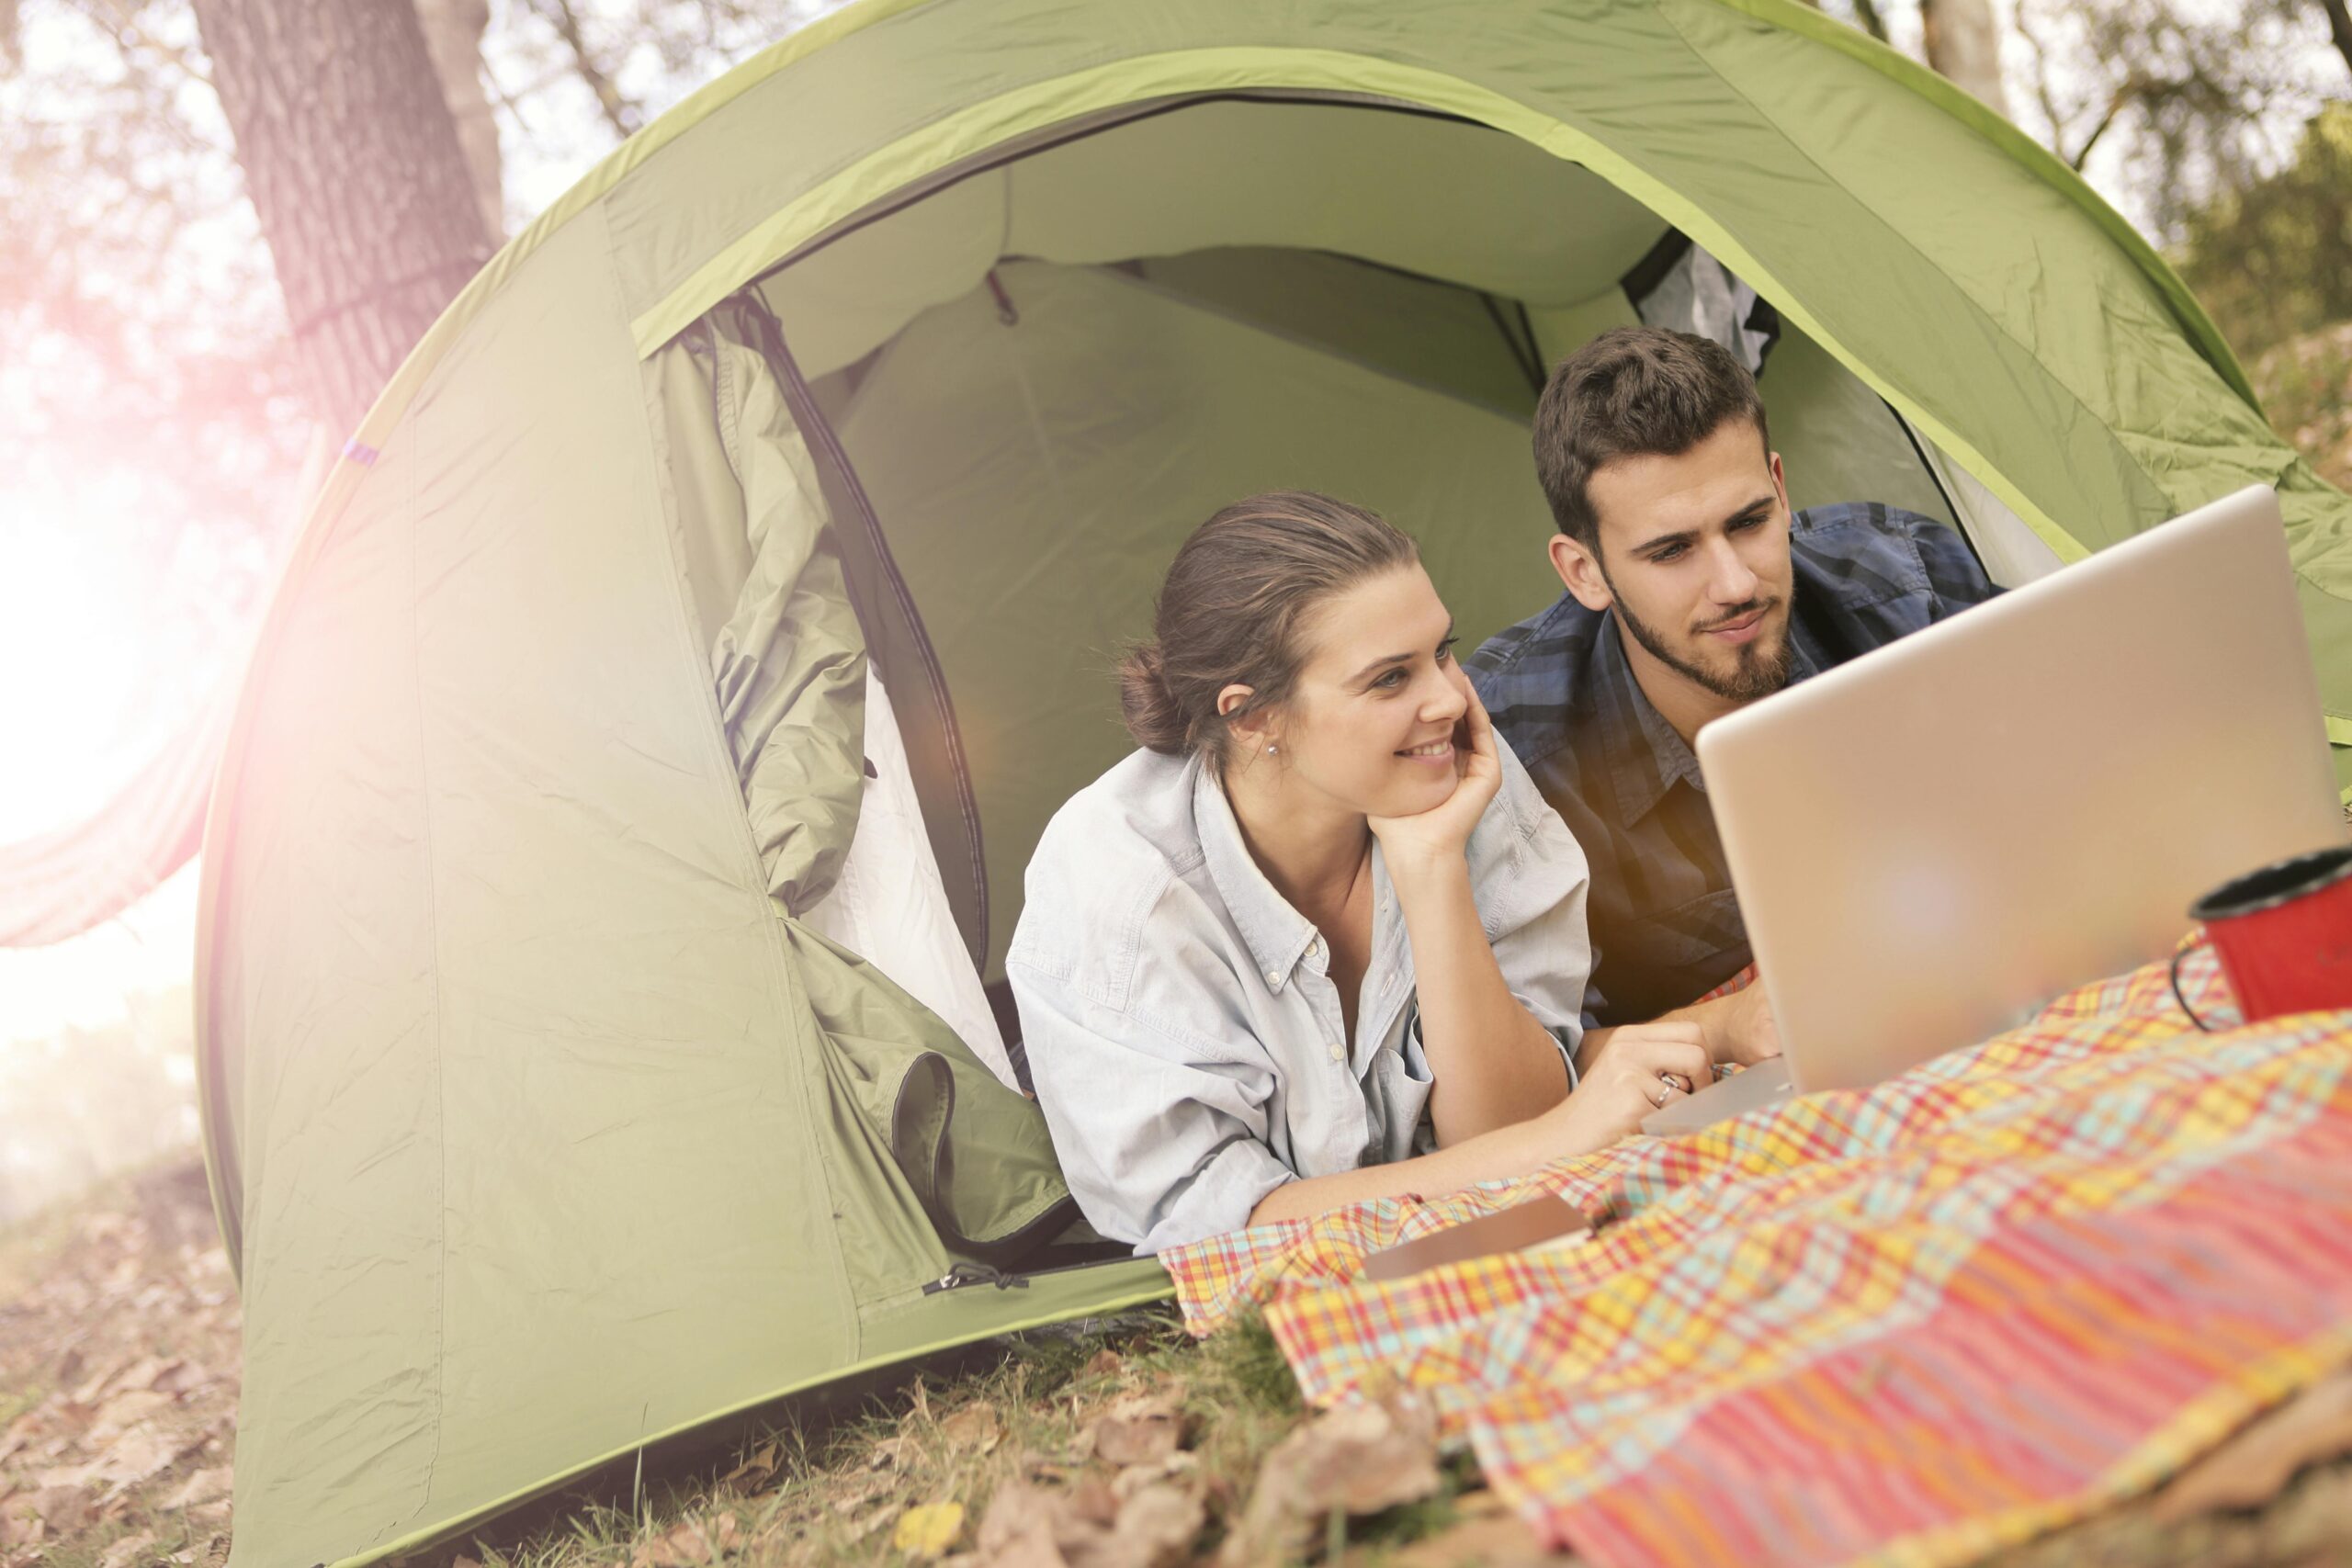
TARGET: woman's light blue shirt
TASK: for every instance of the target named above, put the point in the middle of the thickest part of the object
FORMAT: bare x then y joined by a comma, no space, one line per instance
1182,1029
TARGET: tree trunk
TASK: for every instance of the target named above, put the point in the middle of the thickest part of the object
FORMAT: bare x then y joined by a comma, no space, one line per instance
1964,45
2340,27
354,164
453,30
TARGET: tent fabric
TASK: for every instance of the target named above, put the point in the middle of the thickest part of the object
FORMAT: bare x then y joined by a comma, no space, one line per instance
789,662
543,1122
889,905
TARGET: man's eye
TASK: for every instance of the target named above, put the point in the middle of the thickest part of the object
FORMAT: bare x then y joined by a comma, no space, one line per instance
1671,553
1745,523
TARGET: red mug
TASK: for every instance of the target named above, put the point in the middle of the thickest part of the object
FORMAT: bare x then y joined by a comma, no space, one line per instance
2284,934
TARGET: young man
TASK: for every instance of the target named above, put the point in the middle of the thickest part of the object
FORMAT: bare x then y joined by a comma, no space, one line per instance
1691,590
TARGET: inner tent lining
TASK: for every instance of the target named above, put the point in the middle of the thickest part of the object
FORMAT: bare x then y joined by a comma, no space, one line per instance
1046,374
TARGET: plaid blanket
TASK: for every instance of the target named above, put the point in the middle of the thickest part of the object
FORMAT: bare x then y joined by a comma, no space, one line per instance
1904,1325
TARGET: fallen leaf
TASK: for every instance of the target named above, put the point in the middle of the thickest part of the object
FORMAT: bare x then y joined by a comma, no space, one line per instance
210,1486
1031,1527
760,1463
128,1551
889,1452
928,1529
688,1544
852,1501
147,1374
872,1522
1018,1509
124,1411
1104,1364
1156,1526
95,1385
1496,1540
461,1561
1035,1466
1177,1466
183,1377
973,1429
63,1509
142,1452
1138,1430
1360,1458
2252,1466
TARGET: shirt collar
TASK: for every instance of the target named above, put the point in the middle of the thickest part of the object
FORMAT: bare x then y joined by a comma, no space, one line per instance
1277,934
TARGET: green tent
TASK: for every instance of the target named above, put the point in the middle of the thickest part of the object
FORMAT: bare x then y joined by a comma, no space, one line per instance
622,824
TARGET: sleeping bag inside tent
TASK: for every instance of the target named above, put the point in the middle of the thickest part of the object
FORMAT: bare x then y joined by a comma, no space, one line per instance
624,818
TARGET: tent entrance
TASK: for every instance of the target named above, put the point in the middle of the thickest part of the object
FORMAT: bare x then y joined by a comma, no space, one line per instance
1052,363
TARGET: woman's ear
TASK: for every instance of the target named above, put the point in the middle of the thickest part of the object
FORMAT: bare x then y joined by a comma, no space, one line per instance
1249,730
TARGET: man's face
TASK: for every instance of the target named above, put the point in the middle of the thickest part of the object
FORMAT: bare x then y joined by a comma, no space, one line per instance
1694,561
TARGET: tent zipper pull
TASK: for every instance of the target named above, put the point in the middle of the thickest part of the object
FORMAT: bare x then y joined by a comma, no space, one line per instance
1005,311
965,1274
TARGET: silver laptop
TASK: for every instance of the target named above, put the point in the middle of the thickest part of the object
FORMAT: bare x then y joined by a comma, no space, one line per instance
1933,841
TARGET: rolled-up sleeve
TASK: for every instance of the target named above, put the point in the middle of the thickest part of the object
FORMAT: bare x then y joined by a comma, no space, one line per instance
1535,912
1162,1137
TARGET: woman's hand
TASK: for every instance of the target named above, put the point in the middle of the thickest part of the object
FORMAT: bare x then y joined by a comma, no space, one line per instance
1444,829
1644,1067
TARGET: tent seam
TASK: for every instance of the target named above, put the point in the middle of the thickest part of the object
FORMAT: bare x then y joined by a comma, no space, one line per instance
2000,329
1330,351
417,445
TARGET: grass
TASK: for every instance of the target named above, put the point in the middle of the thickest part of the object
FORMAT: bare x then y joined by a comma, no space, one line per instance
828,1490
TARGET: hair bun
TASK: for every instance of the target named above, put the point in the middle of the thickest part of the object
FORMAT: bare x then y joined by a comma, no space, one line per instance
1154,716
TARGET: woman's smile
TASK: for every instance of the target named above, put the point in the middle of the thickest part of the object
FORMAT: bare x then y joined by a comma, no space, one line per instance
1435,751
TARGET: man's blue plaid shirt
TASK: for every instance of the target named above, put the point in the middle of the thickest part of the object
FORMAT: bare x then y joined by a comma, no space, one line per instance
1664,924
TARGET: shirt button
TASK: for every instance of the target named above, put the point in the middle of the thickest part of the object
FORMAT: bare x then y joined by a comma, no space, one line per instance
1273,977
1339,1053
1314,946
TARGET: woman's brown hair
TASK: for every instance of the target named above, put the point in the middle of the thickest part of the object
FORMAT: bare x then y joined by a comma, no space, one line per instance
1231,609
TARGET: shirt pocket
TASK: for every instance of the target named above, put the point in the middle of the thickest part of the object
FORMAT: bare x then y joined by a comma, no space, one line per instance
1656,962
1688,932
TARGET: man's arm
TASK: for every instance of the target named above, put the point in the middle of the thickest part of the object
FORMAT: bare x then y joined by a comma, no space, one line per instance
1736,1027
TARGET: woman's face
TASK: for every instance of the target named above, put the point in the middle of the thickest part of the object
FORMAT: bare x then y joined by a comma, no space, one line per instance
1369,723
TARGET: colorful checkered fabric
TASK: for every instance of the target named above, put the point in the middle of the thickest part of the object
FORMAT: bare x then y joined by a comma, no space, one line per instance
1902,1326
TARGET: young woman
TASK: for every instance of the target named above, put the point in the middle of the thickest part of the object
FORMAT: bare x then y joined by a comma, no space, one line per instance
1320,939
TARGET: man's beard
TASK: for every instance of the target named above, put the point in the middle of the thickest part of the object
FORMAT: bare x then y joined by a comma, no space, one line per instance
1758,672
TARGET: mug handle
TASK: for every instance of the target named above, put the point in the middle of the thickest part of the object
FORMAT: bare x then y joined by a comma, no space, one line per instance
2174,974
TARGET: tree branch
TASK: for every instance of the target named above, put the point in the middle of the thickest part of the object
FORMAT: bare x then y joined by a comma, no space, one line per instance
123,23
622,115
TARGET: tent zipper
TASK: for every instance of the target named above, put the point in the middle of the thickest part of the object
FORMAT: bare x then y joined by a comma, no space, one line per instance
967,1274
819,432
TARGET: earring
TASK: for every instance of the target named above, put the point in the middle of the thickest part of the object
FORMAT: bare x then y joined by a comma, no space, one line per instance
1271,750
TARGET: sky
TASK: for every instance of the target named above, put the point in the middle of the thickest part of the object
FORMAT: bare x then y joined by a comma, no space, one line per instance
115,619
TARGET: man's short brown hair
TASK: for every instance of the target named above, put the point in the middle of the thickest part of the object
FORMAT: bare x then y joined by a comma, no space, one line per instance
1631,392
